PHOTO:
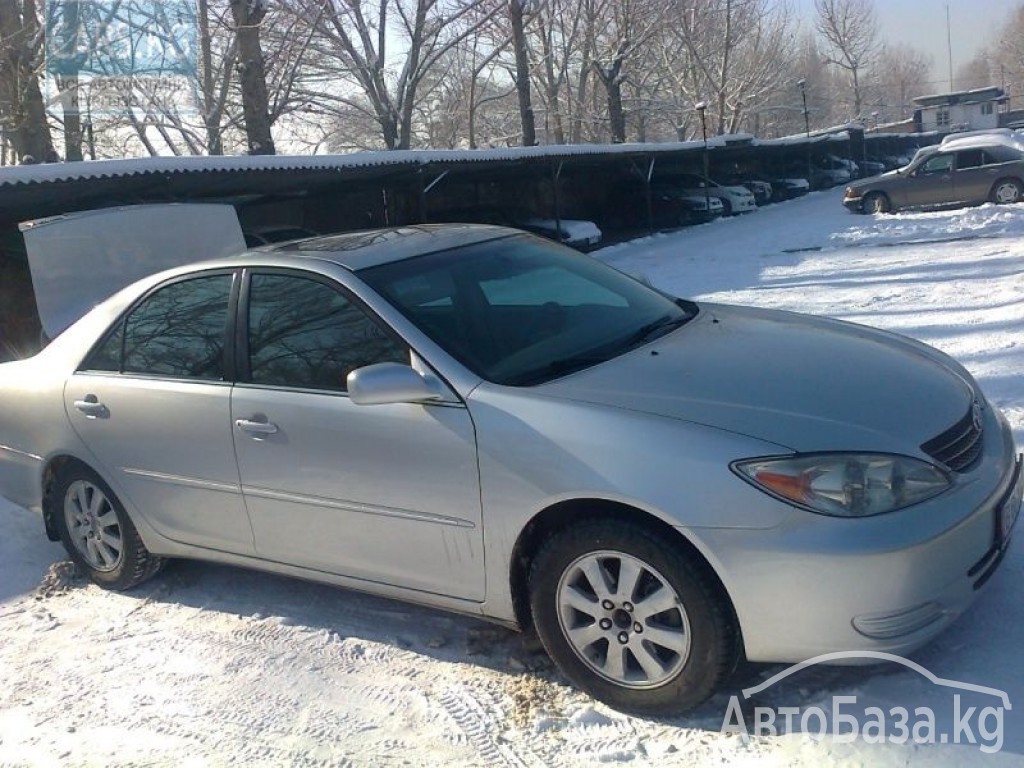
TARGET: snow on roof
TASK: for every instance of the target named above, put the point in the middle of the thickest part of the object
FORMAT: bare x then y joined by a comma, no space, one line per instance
974,96
98,169
981,139
26,174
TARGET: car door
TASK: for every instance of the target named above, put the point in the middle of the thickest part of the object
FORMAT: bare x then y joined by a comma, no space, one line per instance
152,402
387,493
930,184
976,172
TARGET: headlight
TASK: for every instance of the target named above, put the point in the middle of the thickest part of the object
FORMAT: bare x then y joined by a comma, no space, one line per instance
846,484
849,193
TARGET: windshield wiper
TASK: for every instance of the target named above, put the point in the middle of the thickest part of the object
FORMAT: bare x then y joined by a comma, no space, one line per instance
655,330
556,369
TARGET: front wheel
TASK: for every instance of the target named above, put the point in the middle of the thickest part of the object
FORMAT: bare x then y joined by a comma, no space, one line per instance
1006,191
631,619
876,202
97,532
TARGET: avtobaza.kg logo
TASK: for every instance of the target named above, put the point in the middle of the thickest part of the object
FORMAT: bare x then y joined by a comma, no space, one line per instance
963,722
121,38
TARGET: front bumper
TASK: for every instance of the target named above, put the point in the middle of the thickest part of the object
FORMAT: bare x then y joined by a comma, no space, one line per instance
893,582
854,204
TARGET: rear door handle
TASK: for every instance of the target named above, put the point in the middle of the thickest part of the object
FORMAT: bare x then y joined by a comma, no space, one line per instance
257,428
92,407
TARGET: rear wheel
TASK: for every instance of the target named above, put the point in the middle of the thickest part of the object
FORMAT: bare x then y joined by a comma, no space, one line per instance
630,619
97,532
876,202
1006,191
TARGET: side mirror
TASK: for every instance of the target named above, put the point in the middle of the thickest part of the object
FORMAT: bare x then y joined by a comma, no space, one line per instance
384,383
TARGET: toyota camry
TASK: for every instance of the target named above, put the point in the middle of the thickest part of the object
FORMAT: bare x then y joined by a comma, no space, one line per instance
479,420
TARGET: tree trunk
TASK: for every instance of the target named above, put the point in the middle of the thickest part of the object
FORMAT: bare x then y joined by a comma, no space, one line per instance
522,78
211,114
613,87
22,110
252,72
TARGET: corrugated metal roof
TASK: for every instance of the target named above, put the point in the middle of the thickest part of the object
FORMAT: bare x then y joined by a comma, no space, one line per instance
105,169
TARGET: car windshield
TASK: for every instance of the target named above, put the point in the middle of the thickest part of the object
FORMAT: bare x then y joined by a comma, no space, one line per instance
519,311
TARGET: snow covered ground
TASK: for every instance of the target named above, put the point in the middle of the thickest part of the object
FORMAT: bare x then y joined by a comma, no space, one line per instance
209,665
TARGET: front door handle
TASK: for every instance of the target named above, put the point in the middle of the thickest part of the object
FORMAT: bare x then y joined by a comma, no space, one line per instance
257,428
91,406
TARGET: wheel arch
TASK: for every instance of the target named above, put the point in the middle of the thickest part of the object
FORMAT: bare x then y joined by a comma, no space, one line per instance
877,194
1016,180
563,514
54,465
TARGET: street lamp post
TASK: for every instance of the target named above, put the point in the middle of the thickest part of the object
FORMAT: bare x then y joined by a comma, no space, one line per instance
802,85
701,107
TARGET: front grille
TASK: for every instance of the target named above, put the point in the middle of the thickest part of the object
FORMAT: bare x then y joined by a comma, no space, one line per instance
960,445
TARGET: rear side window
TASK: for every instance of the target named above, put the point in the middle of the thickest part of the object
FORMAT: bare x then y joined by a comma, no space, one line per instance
972,158
176,332
305,334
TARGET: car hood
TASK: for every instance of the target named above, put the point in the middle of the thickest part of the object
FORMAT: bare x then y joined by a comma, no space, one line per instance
737,191
796,183
808,384
882,177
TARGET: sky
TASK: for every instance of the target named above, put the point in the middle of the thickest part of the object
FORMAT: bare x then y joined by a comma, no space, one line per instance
922,24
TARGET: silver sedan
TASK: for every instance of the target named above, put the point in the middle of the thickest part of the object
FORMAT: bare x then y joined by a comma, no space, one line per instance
486,422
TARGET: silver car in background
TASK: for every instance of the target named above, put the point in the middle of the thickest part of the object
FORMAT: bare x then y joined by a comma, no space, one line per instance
483,421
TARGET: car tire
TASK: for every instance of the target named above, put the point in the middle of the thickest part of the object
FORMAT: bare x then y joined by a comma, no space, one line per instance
631,618
876,202
1006,191
97,532
726,206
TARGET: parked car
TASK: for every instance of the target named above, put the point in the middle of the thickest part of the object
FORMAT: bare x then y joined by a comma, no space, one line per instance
830,171
965,171
671,207
277,233
674,207
735,198
788,187
480,420
580,234
759,188
869,167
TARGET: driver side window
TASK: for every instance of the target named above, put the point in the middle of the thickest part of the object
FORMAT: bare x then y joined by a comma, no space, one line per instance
938,164
305,334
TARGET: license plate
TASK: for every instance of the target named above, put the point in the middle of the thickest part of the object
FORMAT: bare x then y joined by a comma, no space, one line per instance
1009,510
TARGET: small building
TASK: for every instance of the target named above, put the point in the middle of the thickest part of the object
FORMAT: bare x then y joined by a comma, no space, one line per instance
973,110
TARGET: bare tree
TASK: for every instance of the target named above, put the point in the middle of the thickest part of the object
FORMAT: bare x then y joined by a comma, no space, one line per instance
1010,51
252,72
355,41
903,74
976,73
559,57
734,54
522,71
22,111
620,30
851,31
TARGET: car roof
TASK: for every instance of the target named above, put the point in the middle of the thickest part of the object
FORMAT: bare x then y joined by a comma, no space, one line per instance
370,248
980,140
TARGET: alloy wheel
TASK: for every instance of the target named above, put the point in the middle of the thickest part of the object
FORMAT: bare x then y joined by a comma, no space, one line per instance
93,526
623,619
